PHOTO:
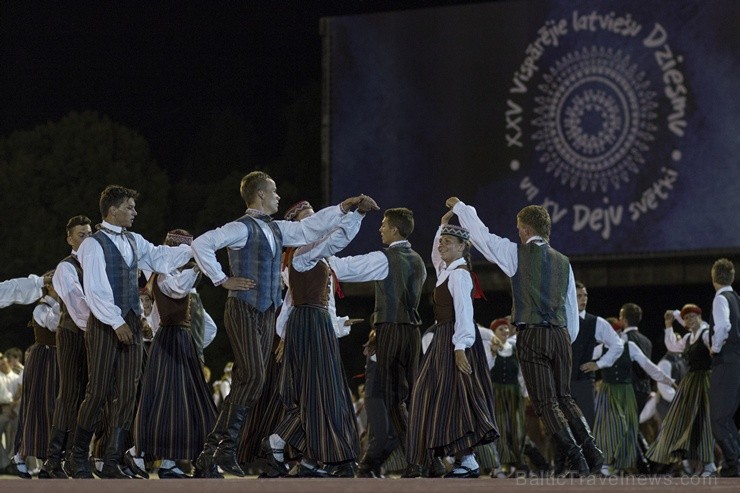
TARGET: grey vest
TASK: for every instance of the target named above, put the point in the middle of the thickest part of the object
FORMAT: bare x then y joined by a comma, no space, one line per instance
397,296
123,278
540,285
257,262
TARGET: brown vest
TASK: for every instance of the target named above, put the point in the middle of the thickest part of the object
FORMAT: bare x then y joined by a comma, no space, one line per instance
42,335
444,306
171,311
310,287
65,320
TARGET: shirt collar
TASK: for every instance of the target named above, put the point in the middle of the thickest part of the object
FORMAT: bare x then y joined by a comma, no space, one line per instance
112,227
399,243
629,329
723,289
454,265
536,238
582,314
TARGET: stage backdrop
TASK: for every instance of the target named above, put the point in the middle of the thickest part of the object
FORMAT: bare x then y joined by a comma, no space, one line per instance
621,117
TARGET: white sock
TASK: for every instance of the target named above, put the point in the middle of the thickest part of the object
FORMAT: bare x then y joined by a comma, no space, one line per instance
20,463
687,466
99,464
605,469
167,464
709,469
277,443
469,461
311,464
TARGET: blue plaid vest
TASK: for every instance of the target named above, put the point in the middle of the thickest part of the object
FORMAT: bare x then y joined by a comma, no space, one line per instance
123,278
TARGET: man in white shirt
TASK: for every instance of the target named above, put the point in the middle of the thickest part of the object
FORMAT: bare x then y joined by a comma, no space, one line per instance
70,337
724,385
22,290
110,260
10,395
254,244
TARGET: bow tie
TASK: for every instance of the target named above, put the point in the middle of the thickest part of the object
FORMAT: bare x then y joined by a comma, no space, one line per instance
260,215
110,231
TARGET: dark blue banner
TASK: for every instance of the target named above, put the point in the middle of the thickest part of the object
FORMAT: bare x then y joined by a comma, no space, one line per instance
621,117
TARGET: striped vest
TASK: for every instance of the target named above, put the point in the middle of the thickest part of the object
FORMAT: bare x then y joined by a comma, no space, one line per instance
123,279
540,285
583,348
730,352
257,262
397,296
65,321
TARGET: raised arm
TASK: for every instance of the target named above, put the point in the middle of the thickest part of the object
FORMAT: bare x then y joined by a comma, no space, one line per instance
307,256
650,368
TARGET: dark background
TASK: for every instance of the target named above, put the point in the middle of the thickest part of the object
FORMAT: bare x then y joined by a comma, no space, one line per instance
209,91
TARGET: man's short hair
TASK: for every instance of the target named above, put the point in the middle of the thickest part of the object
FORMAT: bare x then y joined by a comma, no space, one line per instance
114,196
402,219
723,272
632,314
580,285
537,218
14,352
251,184
77,221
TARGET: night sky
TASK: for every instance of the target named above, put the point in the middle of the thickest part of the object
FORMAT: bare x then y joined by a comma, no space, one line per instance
163,68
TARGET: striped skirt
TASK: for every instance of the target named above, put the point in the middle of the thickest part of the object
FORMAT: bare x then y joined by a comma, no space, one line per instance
266,414
319,415
450,412
616,424
176,411
509,413
40,386
686,432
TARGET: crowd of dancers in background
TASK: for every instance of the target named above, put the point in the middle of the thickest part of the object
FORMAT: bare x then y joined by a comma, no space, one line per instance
115,380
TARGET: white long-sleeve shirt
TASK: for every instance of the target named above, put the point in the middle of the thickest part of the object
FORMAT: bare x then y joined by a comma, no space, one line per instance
639,357
606,335
234,236
371,266
721,316
176,286
460,285
21,291
307,256
48,313
67,285
98,291
504,253
679,345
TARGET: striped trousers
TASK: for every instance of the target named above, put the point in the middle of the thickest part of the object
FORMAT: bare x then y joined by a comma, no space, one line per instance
388,387
545,357
250,333
114,370
72,377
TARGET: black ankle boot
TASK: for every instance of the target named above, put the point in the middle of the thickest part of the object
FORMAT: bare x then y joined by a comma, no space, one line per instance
575,461
53,464
225,455
80,451
113,455
538,460
582,433
203,465
730,468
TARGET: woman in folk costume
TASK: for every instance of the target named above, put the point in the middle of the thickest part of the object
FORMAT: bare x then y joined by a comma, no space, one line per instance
452,401
40,382
175,411
616,421
507,382
319,420
268,412
686,432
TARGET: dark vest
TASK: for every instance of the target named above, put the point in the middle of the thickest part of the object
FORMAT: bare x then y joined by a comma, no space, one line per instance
540,285
621,370
65,321
42,335
256,261
679,367
172,311
123,278
505,371
197,322
730,352
444,306
697,355
583,347
640,379
310,287
397,296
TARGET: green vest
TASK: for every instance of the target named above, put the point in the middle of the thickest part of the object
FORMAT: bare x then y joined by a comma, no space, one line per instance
397,296
540,285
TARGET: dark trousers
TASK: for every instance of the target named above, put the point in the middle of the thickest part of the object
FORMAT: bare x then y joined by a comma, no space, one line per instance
583,393
114,371
250,333
724,398
545,359
388,386
72,377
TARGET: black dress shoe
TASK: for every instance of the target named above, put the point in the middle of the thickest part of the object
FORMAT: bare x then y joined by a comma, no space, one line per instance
130,463
437,468
412,471
271,466
114,471
172,473
344,470
12,469
311,472
465,473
